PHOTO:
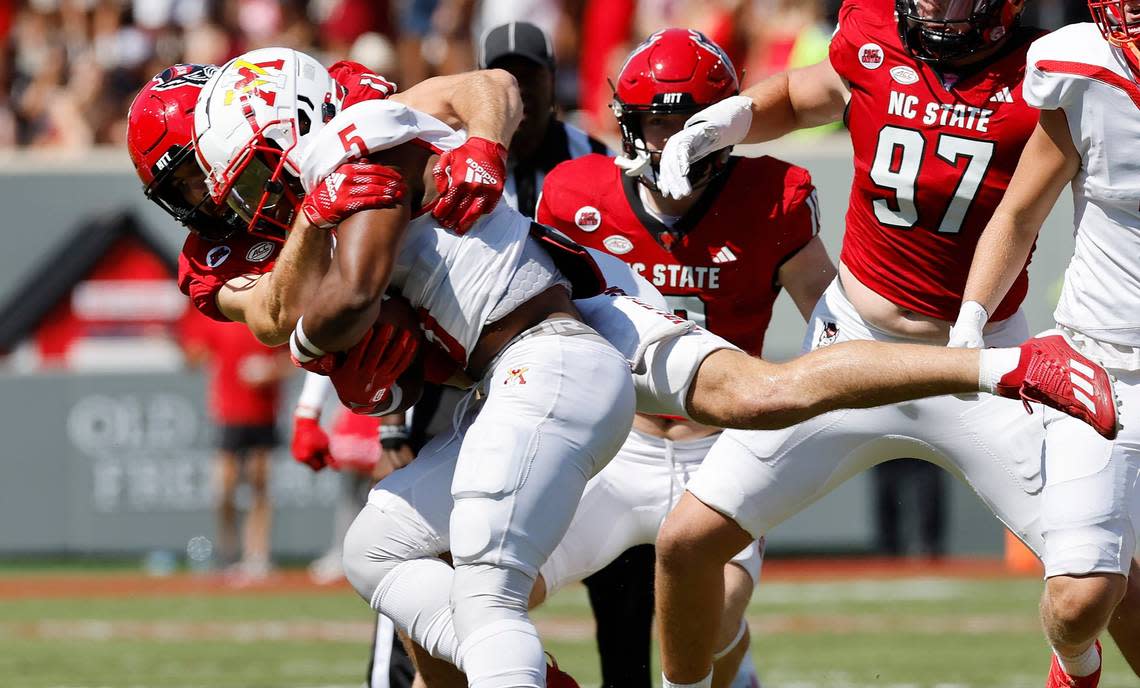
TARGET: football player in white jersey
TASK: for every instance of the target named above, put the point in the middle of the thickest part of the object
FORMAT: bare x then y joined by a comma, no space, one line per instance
1085,79
407,525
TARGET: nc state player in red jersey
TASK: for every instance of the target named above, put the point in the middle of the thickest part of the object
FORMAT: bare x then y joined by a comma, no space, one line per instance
931,91
720,255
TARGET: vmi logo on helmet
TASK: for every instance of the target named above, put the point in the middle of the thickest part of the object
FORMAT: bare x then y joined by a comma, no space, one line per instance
257,80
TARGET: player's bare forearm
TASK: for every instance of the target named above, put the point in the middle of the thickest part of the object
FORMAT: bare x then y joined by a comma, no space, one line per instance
796,99
486,103
303,262
1048,162
347,300
735,390
270,304
806,276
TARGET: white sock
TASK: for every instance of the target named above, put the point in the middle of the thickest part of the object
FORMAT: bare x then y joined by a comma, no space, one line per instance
1084,665
504,654
995,364
705,682
416,596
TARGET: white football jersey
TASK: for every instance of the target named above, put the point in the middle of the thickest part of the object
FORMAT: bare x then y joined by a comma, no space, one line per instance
457,280
1075,69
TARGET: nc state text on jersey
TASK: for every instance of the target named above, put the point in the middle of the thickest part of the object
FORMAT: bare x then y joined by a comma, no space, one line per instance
679,276
941,114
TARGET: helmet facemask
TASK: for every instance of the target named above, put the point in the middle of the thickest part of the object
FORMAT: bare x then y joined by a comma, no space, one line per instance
673,72
249,121
179,188
949,32
259,186
643,160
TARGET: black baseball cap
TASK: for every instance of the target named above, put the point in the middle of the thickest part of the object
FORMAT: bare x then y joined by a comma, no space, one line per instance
516,38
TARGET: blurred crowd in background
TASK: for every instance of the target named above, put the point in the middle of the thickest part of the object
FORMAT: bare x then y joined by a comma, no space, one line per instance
71,67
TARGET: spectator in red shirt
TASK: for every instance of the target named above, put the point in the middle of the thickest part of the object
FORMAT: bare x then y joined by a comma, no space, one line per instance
243,392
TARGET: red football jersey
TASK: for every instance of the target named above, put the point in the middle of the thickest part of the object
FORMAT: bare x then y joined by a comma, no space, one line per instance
720,262
934,154
204,266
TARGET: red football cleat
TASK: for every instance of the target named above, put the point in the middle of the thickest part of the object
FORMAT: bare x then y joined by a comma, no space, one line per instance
556,678
1059,679
1055,374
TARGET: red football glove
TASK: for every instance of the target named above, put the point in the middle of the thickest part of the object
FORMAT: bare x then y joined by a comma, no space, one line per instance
470,181
310,443
355,186
365,380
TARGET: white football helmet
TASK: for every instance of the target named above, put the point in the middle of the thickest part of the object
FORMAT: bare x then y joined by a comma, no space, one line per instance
249,121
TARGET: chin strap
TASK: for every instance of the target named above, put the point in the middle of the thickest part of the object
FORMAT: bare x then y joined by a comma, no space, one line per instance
639,165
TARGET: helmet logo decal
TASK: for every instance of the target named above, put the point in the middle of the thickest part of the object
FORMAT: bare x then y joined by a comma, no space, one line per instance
703,41
588,218
257,80
184,75
259,251
217,256
871,55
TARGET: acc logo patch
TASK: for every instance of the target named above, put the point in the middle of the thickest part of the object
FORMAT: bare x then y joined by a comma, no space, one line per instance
871,55
588,218
904,75
217,256
259,252
617,244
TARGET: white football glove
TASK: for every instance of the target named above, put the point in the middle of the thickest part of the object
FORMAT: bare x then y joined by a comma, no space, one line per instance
720,125
967,331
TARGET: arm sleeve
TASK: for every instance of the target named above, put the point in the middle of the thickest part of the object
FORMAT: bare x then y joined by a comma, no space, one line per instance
313,395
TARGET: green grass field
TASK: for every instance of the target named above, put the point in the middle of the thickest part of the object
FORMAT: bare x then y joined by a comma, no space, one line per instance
912,632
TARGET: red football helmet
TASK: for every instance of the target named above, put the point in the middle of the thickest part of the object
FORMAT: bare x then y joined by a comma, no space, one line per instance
160,134
675,71
949,31
1119,23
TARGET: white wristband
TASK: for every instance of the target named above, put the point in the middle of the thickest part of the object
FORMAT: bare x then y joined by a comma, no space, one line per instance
299,345
972,315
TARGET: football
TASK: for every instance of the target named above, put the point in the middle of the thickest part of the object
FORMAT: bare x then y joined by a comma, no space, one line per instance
398,311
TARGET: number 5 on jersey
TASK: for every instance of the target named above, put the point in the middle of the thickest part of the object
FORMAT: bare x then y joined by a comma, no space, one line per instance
898,164
350,139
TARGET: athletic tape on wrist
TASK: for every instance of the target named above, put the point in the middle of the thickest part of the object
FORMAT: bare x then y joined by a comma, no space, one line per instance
301,347
394,432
